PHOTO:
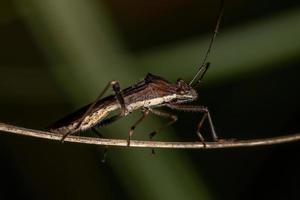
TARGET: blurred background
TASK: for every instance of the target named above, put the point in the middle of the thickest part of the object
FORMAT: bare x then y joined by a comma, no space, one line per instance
57,56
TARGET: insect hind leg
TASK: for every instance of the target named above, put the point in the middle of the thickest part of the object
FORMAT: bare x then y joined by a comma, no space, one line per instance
116,88
96,132
145,112
104,153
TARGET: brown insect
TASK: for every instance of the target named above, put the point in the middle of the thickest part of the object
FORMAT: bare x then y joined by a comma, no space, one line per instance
146,95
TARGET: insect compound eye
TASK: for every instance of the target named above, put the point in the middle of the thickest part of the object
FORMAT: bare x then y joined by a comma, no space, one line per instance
181,91
182,87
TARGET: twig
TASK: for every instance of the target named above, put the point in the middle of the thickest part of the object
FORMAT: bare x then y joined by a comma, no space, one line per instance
151,144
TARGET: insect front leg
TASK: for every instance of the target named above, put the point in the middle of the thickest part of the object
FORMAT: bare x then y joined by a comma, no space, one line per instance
145,112
116,88
202,109
211,126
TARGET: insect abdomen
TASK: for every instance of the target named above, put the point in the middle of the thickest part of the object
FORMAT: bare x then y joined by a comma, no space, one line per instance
88,122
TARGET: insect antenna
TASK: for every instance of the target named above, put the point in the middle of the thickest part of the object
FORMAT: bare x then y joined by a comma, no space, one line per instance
202,71
204,65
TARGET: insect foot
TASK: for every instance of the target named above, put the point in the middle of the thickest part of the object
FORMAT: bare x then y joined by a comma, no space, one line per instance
128,141
201,138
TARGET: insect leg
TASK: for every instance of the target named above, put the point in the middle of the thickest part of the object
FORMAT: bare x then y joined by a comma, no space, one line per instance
199,127
104,154
110,120
145,112
116,87
202,109
97,132
173,119
104,123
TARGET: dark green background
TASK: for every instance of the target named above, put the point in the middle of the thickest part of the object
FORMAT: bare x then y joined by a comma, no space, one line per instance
56,56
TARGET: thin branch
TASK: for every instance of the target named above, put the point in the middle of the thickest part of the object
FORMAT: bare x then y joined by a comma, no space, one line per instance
150,144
